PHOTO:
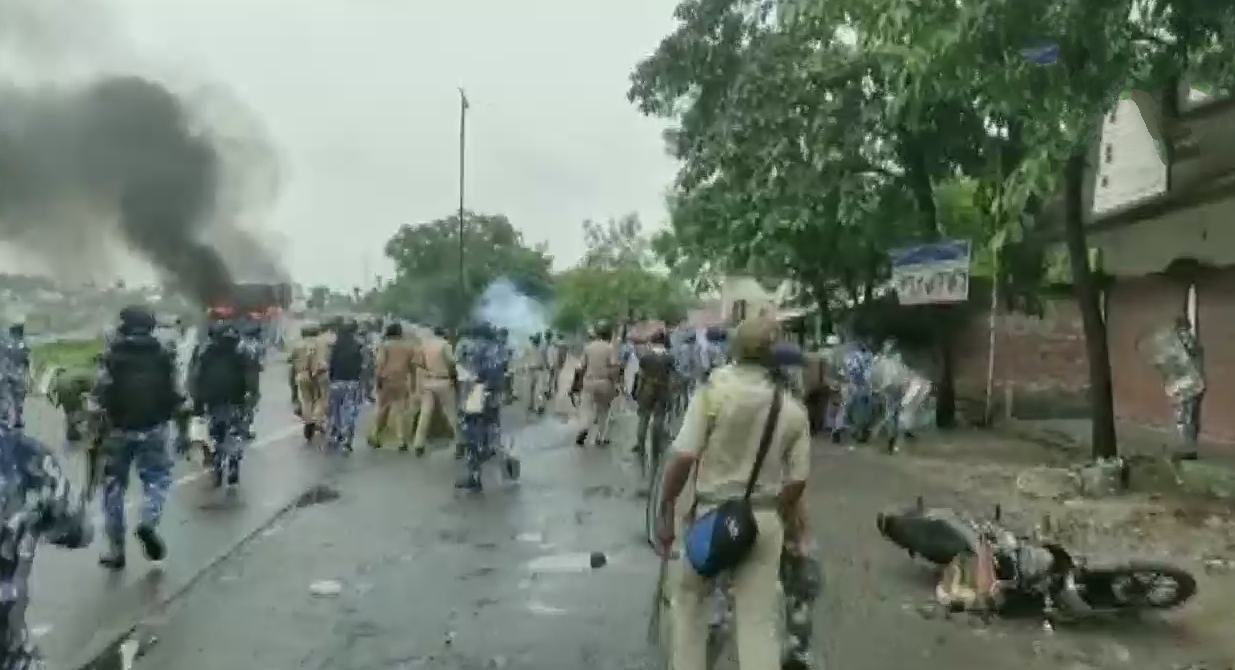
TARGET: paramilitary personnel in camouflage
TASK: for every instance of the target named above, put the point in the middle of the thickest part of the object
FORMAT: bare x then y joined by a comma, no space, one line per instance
1188,406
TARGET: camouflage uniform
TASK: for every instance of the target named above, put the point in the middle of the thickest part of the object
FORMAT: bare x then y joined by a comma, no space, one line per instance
854,409
345,397
1188,407
16,379
39,504
253,348
123,448
482,430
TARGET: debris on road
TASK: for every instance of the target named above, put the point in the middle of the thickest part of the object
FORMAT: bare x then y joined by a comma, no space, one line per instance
326,588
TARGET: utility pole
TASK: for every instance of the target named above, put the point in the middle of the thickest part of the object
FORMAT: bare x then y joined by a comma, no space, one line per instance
463,106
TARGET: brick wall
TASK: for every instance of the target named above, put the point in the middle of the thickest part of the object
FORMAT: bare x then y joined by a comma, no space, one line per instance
1215,302
1137,306
1039,363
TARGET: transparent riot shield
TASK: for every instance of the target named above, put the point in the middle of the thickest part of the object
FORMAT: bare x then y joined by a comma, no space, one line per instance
1181,374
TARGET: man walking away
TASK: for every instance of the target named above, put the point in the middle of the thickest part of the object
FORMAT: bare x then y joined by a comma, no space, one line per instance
1188,405
346,367
599,387
310,405
220,390
538,368
720,440
136,389
396,385
437,392
653,393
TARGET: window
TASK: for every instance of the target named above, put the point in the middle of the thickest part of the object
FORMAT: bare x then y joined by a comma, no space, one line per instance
739,311
1108,153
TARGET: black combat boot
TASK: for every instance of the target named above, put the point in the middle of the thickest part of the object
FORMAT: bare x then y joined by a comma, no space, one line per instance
152,544
581,438
233,471
113,558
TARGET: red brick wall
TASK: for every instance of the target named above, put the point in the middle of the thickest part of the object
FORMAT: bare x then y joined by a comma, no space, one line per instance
1040,360
1043,360
1136,307
1215,302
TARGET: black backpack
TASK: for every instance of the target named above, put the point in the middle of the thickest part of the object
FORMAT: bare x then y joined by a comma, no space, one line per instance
346,360
222,375
142,394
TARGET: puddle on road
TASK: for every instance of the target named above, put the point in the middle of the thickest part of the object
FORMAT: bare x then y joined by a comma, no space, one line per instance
317,495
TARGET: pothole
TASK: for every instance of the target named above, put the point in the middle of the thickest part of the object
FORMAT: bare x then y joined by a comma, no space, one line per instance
317,495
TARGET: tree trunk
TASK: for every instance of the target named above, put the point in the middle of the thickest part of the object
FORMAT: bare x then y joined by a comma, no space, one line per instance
924,196
1101,395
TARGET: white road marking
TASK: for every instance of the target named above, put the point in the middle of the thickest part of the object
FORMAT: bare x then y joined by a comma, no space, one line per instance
277,436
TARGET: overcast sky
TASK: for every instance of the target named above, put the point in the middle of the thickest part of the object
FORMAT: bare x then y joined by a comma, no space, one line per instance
360,99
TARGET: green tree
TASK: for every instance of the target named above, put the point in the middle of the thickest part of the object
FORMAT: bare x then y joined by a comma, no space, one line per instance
426,259
617,279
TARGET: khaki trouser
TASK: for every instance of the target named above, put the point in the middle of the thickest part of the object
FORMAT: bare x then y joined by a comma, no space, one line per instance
399,405
312,400
598,396
436,393
755,603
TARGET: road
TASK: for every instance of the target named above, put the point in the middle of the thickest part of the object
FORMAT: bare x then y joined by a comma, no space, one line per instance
78,608
429,578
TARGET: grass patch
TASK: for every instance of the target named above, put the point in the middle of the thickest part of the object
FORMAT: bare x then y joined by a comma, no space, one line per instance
71,355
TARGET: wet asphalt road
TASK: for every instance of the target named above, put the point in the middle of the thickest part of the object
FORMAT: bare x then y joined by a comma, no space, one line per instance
430,578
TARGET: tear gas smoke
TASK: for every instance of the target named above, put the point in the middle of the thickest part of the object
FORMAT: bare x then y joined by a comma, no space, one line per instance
109,158
504,306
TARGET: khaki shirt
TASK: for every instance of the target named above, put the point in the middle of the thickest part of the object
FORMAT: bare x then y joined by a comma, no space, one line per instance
721,430
396,364
600,360
320,359
438,358
300,356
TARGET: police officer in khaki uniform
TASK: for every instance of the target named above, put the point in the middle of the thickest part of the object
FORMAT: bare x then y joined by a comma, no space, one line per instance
598,385
320,366
310,403
438,381
395,371
719,439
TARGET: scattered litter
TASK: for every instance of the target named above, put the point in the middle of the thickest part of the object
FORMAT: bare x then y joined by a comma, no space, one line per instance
128,653
537,607
40,630
450,638
598,559
561,563
326,588
534,538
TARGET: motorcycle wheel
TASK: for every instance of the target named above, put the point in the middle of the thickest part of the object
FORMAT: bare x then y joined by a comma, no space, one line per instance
1135,586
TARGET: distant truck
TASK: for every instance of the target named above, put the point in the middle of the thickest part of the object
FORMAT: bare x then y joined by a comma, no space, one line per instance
248,303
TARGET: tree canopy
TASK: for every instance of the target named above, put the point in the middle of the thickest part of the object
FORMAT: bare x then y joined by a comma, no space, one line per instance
812,143
426,260
617,279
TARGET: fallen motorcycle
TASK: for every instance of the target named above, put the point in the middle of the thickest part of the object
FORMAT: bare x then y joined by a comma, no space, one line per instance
1025,573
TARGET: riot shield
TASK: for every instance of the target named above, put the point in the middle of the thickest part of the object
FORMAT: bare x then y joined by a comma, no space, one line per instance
1181,374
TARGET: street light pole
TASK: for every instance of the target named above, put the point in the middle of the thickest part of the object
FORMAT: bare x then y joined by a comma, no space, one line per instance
463,106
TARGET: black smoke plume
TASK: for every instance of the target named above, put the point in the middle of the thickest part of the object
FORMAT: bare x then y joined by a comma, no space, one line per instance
128,148
89,159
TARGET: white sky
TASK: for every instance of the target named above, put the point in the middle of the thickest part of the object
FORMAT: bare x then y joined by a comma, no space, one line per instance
360,98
